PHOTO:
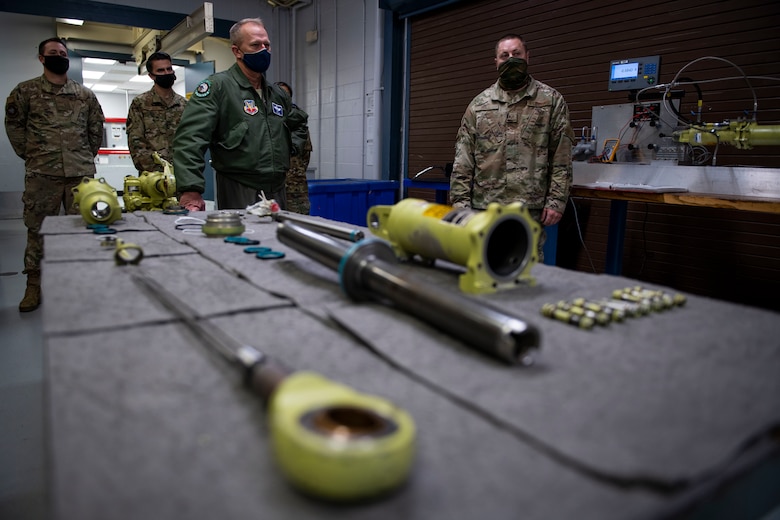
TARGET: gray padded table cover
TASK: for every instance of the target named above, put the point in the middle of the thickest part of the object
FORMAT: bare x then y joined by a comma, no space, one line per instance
146,423
495,441
69,224
662,400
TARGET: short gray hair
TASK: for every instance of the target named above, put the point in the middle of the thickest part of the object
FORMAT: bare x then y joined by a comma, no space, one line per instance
235,36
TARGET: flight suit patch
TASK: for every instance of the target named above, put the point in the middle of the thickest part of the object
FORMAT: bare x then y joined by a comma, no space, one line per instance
250,107
204,89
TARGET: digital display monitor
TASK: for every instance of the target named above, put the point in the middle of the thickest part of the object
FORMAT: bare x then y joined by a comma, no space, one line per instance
634,73
624,71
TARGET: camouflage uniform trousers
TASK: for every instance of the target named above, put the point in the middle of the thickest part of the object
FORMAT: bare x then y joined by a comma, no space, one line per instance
297,187
43,196
536,215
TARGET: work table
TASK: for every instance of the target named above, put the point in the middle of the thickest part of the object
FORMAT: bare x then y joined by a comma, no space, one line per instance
631,420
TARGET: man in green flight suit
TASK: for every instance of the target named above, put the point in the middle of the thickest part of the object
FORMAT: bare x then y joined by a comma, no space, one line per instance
56,126
247,123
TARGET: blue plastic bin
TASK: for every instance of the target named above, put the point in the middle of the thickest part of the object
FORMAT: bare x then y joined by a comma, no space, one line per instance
348,200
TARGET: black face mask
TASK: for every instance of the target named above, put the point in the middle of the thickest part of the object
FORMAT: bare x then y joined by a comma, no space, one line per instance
56,64
258,61
513,73
165,80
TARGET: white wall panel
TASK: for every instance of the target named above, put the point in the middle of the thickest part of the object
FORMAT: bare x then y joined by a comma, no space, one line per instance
19,36
336,72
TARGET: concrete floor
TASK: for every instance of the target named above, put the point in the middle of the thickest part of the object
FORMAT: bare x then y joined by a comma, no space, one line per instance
22,452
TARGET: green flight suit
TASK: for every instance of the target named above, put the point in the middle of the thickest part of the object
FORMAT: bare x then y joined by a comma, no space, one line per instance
251,138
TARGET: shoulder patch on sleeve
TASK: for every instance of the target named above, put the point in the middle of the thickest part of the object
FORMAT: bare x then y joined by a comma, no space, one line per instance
204,89
11,110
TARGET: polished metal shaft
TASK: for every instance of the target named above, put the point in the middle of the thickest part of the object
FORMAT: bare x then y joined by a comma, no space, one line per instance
261,373
352,234
369,270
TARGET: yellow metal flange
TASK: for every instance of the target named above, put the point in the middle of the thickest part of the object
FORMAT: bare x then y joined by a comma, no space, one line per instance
497,246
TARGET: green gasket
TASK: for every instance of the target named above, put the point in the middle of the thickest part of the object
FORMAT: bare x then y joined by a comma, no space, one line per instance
176,211
269,255
242,241
257,249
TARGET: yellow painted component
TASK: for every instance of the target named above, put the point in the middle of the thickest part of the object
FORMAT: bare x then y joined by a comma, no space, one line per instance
497,246
151,190
335,443
740,134
127,253
97,201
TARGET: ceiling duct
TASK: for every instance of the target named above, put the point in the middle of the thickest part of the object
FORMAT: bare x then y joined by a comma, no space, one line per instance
193,29
189,31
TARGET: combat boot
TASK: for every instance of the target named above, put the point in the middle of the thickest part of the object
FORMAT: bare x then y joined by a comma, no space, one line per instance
32,295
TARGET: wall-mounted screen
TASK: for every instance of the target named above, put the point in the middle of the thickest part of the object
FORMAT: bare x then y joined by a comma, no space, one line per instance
634,73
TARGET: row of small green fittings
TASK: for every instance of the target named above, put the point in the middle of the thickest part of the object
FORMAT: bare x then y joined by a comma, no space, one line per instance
615,310
630,302
648,299
570,314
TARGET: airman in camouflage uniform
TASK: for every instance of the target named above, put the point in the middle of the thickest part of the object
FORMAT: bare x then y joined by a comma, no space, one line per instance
296,183
514,143
56,126
154,116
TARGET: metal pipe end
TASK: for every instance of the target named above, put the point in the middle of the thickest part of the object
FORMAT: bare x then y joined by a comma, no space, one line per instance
522,343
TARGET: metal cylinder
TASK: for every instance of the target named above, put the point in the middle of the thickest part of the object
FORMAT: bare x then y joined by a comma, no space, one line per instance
335,230
368,270
223,223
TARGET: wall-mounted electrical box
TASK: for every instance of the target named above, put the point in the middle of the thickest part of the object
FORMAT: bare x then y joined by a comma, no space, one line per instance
634,73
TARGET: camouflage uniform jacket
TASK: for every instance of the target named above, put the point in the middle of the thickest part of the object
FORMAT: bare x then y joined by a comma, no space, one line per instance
151,124
514,148
297,185
56,130
250,137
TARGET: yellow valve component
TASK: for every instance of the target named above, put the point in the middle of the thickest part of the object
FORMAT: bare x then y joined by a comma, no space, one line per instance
497,246
335,443
127,253
744,135
151,190
97,201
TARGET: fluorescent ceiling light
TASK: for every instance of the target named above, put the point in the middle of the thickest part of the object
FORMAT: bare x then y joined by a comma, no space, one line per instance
70,21
99,61
141,79
92,74
102,87
88,85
